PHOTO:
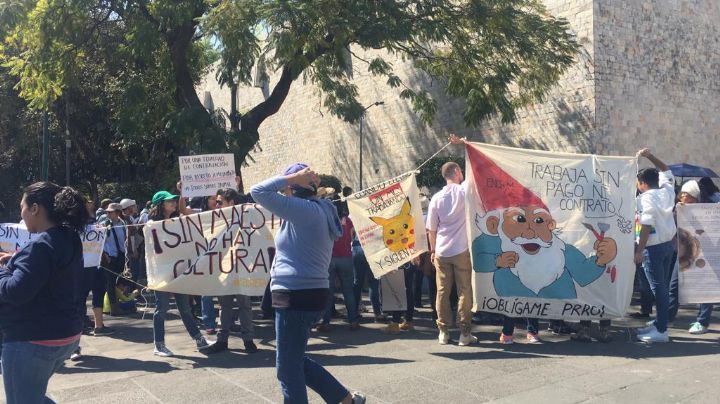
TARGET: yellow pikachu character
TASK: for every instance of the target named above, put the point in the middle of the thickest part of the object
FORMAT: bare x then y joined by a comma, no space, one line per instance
398,231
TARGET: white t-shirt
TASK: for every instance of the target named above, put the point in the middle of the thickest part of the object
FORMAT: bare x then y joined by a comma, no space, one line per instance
446,216
655,208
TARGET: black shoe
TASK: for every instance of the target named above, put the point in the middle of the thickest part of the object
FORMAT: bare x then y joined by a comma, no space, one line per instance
235,328
104,330
217,347
639,314
250,346
562,329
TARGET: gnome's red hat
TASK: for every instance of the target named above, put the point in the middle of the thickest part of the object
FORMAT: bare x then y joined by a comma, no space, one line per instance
498,189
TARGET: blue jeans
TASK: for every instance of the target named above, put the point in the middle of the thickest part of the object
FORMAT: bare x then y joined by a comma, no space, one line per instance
673,289
208,312
361,270
162,304
27,368
704,314
646,296
657,264
294,369
343,267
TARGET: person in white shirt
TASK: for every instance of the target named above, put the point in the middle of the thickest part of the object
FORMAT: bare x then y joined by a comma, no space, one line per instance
655,249
449,252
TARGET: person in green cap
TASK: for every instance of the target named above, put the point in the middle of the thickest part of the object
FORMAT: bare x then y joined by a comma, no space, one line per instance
164,207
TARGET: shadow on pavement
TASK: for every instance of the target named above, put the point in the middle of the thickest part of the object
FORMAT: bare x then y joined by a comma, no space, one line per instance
92,364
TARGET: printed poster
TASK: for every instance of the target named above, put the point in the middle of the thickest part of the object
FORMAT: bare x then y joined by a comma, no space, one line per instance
204,174
551,233
215,253
389,223
13,237
699,252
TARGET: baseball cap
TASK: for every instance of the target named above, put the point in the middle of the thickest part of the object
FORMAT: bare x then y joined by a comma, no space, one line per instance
163,196
126,203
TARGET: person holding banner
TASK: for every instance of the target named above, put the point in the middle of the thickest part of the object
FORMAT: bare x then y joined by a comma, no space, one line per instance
299,280
450,254
655,249
165,207
39,291
226,198
114,254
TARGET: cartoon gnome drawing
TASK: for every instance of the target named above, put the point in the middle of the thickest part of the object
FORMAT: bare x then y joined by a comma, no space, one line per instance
519,244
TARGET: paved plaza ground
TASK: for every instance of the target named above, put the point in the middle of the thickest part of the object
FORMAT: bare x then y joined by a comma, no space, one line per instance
411,367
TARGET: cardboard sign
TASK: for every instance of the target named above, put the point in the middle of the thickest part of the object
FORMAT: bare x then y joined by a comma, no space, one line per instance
204,174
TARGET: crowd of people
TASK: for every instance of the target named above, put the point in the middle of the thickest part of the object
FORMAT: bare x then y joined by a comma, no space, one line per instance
317,255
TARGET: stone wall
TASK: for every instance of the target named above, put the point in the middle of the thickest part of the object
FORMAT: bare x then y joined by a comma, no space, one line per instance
646,75
657,65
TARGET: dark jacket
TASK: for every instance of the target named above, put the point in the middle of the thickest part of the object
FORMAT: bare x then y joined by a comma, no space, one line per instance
39,289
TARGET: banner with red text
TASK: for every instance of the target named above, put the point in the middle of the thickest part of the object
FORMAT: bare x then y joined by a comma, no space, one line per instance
220,252
389,223
551,233
13,237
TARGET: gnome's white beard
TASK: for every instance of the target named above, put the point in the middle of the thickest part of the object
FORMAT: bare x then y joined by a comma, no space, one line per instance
541,269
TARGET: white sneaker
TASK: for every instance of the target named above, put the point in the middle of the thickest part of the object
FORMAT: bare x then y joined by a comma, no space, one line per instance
654,336
443,338
467,339
162,350
697,329
649,326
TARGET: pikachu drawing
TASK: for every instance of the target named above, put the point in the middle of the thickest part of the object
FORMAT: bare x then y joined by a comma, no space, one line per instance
398,231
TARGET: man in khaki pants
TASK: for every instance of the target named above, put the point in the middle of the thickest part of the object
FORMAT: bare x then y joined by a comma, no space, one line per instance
450,255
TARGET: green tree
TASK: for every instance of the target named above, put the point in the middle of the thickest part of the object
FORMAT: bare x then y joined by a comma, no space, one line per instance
498,55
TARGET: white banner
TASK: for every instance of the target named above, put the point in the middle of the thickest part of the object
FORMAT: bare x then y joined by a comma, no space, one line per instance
221,252
699,252
392,291
204,174
389,223
551,233
13,237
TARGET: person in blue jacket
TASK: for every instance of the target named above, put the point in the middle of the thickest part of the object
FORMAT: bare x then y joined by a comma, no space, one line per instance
299,280
39,288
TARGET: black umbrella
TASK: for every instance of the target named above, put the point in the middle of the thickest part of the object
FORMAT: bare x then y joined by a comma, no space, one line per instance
689,170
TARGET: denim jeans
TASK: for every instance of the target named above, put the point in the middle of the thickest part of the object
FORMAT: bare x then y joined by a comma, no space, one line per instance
646,296
294,369
162,304
27,368
657,265
361,271
208,312
704,314
227,303
674,289
533,325
343,267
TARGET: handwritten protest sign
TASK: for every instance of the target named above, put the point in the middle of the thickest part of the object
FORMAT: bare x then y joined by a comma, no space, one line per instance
13,237
392,291
221,252
551,233
389,223
204,174
699,252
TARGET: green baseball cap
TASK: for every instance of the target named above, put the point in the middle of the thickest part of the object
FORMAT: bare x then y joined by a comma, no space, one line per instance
162,196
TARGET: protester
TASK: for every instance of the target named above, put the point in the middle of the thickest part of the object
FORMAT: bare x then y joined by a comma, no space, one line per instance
126,296
100,213
226,198
533,327
709,191
165,206
657,228
113,258
39,291
449,251
299,280
690,193
341,265
361,274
